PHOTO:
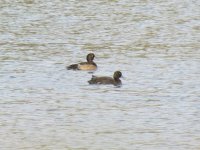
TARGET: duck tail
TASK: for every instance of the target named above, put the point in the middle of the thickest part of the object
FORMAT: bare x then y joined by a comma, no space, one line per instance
93,80
72,67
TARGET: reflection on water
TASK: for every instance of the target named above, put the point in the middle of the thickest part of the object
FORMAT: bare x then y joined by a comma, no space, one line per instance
154,44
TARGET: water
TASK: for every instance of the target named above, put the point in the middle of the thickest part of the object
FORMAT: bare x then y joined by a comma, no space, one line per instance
156,45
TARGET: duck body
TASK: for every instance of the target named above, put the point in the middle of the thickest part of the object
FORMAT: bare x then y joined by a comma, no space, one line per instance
107,80
83,66
89,65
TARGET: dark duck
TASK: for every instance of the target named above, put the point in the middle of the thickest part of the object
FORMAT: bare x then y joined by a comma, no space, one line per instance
107,80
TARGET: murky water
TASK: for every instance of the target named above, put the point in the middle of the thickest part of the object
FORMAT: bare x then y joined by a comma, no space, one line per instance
156,45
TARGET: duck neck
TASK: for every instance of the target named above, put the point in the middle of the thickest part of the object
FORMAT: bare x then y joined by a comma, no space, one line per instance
117,79
90,61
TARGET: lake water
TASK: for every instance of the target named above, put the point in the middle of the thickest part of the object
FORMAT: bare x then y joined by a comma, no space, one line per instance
155,44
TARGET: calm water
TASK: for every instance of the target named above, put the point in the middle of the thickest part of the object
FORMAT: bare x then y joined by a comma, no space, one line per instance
156,45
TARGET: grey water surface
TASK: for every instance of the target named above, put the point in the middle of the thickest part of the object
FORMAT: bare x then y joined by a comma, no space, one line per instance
154,43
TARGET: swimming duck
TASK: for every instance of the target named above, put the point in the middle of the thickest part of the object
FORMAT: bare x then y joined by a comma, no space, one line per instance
89,65
107,80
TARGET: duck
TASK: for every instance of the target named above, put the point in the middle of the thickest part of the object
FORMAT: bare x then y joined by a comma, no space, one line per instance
89,65
107,80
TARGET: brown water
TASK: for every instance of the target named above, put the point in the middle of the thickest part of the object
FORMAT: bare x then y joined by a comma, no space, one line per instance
156,45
